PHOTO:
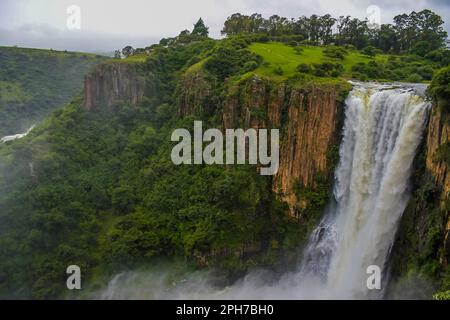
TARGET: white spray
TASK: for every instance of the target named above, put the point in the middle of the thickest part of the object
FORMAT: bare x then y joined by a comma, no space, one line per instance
383,128
16,136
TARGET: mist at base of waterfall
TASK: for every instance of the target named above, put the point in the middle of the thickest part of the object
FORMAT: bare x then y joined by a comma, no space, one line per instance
383,127
175,282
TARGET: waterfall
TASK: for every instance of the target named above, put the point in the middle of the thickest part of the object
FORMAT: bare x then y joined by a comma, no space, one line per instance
16,136
383,128
382,131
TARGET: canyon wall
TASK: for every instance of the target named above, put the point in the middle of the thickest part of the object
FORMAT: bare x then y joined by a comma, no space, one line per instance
112,84
422,247
309,117
438,138
438,135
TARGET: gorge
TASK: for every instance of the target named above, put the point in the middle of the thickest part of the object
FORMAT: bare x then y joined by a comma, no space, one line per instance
383,128
362,181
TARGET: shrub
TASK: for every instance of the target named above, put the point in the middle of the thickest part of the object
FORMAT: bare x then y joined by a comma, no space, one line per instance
309,43
435,55
444,295
414,78
349,47
370,51
335,52
304,68
426,72
262,38
439,88
372,69
421,48
250,66
328,69
441,56
230,58
298,50
278,71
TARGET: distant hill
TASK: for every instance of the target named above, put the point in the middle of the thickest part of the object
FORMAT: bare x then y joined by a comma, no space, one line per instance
34,82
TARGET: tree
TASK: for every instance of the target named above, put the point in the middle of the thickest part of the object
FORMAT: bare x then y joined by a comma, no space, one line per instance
431,29
385,38
421,48
440,87
200,29
326,28
420,26
184,37
128,51
235,24
369,51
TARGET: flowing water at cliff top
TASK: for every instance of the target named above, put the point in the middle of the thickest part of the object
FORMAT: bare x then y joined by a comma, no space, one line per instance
383,127
384,124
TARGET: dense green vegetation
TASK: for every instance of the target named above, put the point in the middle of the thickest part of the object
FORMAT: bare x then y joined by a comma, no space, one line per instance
419,247
98,189
417,32
440,88
335,61
35,82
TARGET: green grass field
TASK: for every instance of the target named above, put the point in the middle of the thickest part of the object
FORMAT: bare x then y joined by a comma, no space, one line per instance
138,58
280,55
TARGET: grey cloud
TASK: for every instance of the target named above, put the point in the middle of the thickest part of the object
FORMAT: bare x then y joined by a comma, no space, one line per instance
49,36
45,36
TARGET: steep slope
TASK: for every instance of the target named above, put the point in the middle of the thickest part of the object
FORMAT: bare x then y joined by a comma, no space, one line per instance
34,82
94,185
421,254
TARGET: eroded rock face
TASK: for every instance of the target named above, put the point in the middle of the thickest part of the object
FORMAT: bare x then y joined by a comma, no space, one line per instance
113,84
312,128
194,93
439,134
309,122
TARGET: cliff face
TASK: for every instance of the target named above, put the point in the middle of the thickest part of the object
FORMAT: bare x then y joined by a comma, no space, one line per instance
423,241
312,130
438,136
308,118
113,84
193,94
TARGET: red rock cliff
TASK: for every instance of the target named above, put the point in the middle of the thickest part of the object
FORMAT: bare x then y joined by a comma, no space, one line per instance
438,135
309,121
308,117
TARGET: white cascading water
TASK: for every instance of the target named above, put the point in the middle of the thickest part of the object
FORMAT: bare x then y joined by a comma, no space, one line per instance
383,128
16,136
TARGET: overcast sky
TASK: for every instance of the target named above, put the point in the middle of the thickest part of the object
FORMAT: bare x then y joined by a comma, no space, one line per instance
108,24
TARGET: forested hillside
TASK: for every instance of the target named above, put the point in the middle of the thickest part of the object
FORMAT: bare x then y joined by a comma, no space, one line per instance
94,184
35,82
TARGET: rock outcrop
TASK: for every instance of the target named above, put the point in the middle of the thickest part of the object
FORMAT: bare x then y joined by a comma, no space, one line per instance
423,237
308,116
112,84
193,93
309,121
438,136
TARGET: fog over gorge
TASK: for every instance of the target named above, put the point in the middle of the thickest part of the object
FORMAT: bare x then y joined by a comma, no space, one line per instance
225,150
390,119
